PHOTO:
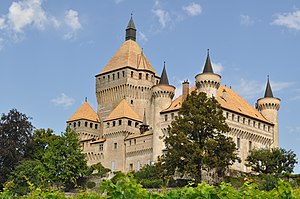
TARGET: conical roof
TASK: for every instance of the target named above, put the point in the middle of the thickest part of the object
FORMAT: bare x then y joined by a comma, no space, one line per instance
164,76
208,67
129,55
123,110
85,112
268,91
130,30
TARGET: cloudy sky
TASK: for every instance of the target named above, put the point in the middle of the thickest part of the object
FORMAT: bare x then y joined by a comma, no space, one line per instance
50,51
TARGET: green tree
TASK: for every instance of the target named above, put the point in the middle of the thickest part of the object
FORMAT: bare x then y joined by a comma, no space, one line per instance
271,161
99,169
27,171
149,177
15,135
41,140
196,139
63,161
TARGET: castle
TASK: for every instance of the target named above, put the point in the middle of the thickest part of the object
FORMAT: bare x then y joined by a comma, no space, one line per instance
135,108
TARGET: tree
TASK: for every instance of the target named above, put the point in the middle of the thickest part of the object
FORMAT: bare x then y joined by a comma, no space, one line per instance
149,177
100,169
41,140
15,135
271,161
196,139
63,161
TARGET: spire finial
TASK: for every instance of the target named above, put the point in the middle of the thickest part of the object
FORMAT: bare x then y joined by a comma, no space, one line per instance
144,126
268,91
130,30
164,76
85,99
208,67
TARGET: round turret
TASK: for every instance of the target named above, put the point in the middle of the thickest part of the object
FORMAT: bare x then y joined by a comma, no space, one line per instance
269,106
207,81
162,95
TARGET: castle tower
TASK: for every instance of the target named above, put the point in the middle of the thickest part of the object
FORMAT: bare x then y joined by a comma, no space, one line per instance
269,106
207,81
86,122
128,75
162,99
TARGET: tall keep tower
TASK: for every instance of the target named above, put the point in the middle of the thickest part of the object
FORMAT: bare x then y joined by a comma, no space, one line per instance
208,82
269,106
128,75
162,98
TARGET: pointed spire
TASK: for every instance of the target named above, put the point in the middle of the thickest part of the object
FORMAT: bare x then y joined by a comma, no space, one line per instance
144,126
164,76
208,67
130,30
268,92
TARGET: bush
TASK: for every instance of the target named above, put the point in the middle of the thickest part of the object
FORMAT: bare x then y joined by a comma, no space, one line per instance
153,183
90,184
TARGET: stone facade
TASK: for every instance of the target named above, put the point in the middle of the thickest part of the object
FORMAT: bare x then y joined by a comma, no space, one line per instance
136,106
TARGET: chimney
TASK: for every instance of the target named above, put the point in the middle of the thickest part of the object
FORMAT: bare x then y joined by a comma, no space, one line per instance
185,89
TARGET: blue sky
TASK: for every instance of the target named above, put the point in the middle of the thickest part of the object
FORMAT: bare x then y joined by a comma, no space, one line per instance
50,51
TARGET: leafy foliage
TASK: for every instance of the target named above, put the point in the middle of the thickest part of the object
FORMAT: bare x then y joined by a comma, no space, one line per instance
15,135
271,161
197,139
99,169
149,177
63,161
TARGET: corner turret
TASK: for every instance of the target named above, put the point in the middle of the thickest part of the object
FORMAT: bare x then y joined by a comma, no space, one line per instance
208,81
162,98
269,106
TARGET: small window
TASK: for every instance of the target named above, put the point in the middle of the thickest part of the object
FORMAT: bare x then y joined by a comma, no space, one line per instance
107,124
238,143
253,123
118,74
227,115
238,118
79,124
96,126
101,147
268,128
86,124
91,125
131,167
129,142
259,125
248,122
166,117
138,165
131,101
114,123
147,76
156,81
140,75
136,124
123,72
120,122
74,124
243,120
104,77
233,117
172,116
108,77
250,145
129,123
131,74
134,141
115,145
113,76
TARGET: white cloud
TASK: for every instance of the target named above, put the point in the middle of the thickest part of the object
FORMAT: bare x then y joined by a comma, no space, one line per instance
72,21
142,36
193,9
118,1
252,88
246,20
163,16
217,67
63,100
289,20
25,13
2,23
